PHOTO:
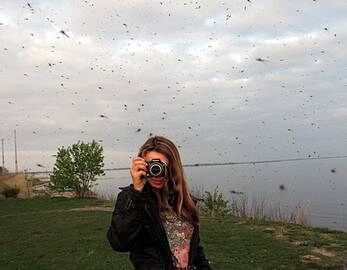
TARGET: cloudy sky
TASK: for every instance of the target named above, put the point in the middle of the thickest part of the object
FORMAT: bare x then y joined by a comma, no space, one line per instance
225,80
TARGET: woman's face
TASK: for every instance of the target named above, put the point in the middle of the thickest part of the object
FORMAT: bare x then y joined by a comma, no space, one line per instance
156,182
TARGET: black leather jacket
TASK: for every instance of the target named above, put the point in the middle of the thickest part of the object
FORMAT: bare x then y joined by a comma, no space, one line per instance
136,227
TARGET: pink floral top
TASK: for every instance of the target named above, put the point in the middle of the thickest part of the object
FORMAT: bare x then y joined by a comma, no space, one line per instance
179,233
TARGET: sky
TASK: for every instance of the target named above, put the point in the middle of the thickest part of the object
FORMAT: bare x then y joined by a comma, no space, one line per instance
224,80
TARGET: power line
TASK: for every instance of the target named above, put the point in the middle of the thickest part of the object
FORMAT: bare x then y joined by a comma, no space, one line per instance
2,155
225,163
15,151
259,161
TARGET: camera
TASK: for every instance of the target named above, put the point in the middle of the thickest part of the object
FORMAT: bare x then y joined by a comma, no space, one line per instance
155,168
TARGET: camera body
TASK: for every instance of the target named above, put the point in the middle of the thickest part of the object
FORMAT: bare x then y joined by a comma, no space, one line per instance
156,168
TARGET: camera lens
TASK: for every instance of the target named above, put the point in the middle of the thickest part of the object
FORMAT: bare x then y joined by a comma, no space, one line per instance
155,169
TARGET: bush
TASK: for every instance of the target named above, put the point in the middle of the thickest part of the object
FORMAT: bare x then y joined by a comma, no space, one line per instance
77,167
3,171
214,204
11,192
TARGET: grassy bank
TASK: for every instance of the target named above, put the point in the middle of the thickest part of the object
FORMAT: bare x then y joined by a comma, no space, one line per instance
53,234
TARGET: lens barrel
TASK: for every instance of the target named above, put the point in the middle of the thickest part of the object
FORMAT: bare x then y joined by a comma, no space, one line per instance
155,168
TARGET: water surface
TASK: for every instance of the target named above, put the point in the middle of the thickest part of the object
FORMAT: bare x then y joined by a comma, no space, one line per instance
321,182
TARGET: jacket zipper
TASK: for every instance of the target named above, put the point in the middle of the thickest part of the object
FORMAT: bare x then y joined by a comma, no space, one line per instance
161,232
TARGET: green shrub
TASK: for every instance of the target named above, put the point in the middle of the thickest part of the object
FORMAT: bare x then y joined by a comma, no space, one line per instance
77,167
11,192
214,203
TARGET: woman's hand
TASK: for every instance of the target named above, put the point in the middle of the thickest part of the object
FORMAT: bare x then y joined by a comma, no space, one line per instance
138,170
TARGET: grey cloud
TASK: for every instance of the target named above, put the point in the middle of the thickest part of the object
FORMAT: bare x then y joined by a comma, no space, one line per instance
203,75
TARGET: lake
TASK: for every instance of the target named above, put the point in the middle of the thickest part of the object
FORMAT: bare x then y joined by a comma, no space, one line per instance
321,182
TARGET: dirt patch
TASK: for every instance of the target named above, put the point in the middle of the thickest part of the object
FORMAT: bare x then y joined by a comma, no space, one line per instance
299,243
269,229
323,252
280,236
278,232
87,208
334,245
93,208
65,194
240,222
310,259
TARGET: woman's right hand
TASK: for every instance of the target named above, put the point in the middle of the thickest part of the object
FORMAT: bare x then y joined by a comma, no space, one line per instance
138,170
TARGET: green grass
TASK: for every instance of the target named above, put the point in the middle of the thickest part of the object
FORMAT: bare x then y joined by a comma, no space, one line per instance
40,234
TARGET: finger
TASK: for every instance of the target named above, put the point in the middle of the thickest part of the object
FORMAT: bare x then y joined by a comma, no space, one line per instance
143,173
137,158
140,162
141,167
138,176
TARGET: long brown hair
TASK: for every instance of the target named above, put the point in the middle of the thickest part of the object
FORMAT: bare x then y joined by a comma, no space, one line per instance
185,206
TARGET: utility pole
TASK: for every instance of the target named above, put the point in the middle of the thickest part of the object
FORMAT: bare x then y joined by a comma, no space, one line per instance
15,151
3,157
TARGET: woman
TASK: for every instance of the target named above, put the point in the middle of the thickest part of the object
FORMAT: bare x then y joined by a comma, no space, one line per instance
155,218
